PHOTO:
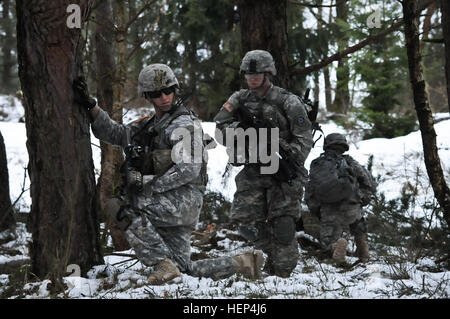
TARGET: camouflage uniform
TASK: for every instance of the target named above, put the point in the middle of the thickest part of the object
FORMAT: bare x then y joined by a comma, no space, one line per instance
335,216
169,204
264,208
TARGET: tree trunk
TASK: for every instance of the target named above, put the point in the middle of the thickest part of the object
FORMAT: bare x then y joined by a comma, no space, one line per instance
8,46
121,67
445,7
342,96
63,218
424,114
326,72
264,27
6,211
111,158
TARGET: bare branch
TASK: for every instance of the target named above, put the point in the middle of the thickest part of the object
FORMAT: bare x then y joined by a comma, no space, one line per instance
356,47
344,53
133,19
311,5
144,38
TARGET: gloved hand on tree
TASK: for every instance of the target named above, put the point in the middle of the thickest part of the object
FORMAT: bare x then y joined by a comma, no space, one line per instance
82,94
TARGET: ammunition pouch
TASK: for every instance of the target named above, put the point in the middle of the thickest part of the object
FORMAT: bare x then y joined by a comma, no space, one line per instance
162,161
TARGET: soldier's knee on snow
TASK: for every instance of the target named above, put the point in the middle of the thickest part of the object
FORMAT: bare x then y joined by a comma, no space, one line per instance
283,229
285,268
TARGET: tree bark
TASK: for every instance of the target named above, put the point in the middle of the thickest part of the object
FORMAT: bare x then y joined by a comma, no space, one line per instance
111,156
63,218
445,7
423,110
326,71
264,27
8,45
6,211
342,96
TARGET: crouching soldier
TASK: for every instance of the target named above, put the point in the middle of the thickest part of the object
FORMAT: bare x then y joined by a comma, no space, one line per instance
164,195
337,189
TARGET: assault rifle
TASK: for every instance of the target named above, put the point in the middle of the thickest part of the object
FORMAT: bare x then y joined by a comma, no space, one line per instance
130,170
312,114
288,165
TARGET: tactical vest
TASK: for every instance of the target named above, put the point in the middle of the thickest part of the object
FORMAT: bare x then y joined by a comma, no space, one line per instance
278,102
156,158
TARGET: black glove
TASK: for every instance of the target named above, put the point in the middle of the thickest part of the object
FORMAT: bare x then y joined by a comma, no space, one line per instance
82,94
134,180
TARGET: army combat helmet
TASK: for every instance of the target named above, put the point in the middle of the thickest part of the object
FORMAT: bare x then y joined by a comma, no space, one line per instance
336,140
258,61
156,77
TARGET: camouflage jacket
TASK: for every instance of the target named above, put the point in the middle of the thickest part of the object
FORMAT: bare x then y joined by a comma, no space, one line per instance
154,134
284,108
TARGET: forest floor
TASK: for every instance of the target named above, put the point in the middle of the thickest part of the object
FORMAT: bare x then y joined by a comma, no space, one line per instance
383,277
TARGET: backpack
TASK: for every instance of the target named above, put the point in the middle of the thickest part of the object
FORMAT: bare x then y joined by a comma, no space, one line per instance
332,178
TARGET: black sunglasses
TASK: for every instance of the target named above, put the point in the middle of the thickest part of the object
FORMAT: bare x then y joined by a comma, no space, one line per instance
157,94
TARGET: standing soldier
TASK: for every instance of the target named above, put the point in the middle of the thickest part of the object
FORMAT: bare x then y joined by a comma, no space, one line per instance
164,195
266,206
337,189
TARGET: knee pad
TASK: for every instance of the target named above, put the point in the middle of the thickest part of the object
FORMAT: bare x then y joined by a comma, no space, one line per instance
283,229
359,227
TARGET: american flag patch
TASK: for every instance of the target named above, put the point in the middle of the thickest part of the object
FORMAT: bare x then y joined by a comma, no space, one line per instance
228,107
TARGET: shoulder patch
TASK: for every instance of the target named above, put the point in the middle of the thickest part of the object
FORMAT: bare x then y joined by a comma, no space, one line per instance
228,107
301,120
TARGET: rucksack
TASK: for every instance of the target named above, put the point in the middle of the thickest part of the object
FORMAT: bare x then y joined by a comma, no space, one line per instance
332,178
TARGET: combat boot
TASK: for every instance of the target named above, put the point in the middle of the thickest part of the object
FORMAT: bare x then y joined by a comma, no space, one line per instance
339,250
249,264
362,249
165,271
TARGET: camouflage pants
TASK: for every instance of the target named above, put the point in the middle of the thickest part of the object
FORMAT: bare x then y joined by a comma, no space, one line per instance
164,231
266,212
334,218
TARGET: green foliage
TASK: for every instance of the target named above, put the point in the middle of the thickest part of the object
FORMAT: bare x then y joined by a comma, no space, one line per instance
382,68
196,39
384,125
216,209
393,223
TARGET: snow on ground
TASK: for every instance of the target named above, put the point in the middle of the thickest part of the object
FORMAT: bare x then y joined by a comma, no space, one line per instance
126,279
397,160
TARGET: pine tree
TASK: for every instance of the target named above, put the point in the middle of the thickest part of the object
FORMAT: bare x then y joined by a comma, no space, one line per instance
63,220
382,66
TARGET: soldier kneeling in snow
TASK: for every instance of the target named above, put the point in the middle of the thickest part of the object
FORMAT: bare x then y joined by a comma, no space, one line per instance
163,198
337,189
